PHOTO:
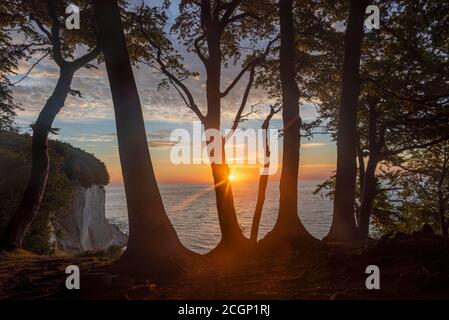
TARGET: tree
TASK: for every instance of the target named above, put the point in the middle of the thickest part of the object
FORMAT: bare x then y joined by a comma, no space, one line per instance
405,91
42,25
153,246
420,186
343,226
9,56
289,228
263,178
213,31
403,101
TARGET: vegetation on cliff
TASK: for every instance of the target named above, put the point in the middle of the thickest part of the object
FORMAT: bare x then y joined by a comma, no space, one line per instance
70,167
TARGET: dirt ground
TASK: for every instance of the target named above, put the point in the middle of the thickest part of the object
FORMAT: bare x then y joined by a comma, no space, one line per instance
411,267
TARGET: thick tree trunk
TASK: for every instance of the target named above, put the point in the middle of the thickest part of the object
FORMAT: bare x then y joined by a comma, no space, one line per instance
289,228
153,246
343,226
368,195
230,229
40,164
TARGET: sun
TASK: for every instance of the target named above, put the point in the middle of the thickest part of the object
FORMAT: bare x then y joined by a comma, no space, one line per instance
231,177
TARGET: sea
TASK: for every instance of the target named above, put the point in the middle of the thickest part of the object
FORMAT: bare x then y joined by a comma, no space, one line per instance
192,210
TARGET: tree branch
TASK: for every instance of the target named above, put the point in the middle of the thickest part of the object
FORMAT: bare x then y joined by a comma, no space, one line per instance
179,85
230,8
238,116
252,64
198,49
31,68
85,59
242,16
389,153
56,40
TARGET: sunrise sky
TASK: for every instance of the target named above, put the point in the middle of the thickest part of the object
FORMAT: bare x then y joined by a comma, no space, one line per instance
88,122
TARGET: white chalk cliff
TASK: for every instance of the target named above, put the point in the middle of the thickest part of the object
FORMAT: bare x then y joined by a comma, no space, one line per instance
83,226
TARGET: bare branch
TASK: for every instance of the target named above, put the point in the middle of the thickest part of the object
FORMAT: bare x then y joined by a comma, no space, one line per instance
273,111
388,153
85,59
41,27
244,100
31,69
198,49
56,40
179,85
253,63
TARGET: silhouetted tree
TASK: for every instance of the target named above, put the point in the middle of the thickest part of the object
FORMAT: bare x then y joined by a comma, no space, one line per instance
263,178
417,190
343,226
403,100
153,246
9,56
288,227
42,24
405,90
213,30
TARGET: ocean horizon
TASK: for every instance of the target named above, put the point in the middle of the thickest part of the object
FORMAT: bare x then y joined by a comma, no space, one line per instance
192,210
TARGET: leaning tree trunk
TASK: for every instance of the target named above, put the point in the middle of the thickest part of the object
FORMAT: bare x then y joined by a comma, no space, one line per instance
153,246
289,228
343,226
263,180
40,164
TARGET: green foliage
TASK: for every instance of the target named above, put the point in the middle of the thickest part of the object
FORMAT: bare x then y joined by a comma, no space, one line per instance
418,192
69,167
80,166
8,63
403,103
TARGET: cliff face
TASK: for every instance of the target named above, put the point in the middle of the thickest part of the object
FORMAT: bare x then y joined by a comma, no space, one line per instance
82,225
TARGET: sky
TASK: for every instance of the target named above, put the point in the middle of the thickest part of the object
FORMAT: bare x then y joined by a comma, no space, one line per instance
88,122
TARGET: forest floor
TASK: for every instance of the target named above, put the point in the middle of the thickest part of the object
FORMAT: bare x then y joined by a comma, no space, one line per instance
411,267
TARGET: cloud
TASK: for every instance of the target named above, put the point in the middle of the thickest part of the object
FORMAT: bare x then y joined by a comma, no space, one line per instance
312,145
161,143
82,138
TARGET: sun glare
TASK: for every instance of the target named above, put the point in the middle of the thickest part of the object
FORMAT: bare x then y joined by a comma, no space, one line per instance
231,177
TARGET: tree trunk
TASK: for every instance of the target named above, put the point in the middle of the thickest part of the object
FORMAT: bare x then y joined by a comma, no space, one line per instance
444,227
153,246
343,226
263,181
368,195
361,171
442,214
40,164
232,234
289,228
369,186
